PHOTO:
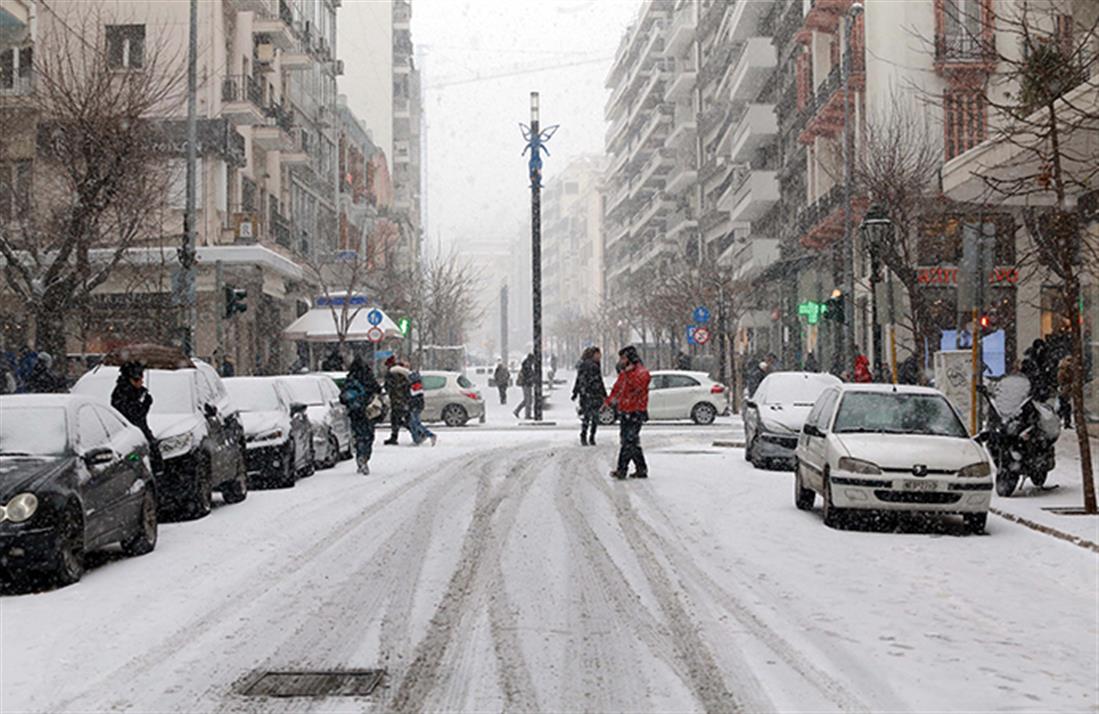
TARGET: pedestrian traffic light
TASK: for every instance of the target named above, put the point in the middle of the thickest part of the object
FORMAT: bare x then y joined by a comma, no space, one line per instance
234,300
833,307
404,325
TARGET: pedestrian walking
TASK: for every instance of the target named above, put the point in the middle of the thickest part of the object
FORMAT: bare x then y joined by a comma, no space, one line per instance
1066,376
526,382
862,369
396,386
590,393
630,396
502,376
333,362
420,433
361,394
133,401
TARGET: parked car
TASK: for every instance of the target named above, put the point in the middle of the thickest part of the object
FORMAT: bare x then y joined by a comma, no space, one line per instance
198,431
276,430
675,394
774,415
451,398
878,447
75,476
327,416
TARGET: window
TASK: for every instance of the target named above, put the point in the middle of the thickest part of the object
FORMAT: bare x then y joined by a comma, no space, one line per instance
679,381
114,425
434,381
465,383
125,46
964,122
826,403
15,189
89,430
15,69
962,23
658,381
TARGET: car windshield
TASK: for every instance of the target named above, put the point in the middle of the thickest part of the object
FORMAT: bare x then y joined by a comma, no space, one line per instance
173,391
795,389
253,395
897,413
33,431
306,391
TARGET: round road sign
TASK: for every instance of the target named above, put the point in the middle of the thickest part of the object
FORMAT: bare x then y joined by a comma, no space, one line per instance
702,335
374,317
375,334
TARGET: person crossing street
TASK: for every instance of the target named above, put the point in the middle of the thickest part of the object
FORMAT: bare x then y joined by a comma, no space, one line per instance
358,394
630,396
590,391
396,386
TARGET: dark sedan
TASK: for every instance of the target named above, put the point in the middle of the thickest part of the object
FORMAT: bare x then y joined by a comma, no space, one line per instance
74,477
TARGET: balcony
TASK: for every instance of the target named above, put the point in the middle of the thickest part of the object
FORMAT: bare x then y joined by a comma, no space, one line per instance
295,154
748,260
652,176
684,74
684,127
678,222
756,64
652,252
656,208
250,5
242,100
961,53
276,133
826,109
682,31
821,222
683,175
757,128
651,134
277,29
752,196
295,57
824,15
742,20
617,232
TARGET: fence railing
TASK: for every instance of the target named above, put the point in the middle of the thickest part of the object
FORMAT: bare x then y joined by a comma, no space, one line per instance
242,88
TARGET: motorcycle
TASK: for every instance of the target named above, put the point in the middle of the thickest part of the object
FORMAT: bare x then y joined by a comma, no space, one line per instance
1020,433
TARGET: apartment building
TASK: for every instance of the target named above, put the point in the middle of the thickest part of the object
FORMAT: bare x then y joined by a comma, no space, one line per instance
407,132
366,193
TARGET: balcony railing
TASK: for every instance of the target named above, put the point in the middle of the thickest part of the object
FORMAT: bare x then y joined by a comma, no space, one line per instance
283,118
242,88
281,229
964,47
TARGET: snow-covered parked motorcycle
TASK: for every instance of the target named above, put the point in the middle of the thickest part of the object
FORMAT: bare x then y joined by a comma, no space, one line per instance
1020,432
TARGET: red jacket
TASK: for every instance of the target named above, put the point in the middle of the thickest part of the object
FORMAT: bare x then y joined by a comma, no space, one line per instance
862,369
631,390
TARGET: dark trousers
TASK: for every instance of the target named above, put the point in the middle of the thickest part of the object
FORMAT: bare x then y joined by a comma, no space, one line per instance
503,394
397,418
527,404
589,421
1064,410
629,431
363,432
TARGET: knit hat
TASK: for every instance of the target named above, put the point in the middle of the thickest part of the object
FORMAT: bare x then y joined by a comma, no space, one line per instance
630,353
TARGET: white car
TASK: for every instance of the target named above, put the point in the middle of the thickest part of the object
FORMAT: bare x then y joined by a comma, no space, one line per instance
677,394
332,439
276,430
877,447
774,415
451,398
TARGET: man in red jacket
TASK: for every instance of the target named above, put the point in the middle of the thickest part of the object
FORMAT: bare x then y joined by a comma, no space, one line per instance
630,397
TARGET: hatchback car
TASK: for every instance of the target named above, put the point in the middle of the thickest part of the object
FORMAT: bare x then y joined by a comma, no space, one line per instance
276,430
677,395
878,447
327,416
74,476
202,443
774,415
451,398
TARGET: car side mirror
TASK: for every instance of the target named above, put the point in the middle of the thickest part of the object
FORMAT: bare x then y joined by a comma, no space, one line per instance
297,408
750,404
210,410
99,457
811,430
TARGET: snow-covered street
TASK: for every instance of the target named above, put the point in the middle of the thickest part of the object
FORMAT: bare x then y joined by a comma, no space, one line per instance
504,571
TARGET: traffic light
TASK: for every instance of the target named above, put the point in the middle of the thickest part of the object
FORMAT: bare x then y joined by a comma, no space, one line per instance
234,300
833,307
811,311
404,325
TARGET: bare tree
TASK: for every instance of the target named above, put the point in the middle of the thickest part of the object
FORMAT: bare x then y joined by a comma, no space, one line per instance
445,299
99,174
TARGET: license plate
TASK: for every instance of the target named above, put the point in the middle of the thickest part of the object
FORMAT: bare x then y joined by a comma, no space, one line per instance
919,485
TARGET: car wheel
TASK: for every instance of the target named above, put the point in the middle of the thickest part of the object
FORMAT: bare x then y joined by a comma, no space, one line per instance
69,566
703,414
606,416
833,517
310,467
201,498
455,415
803,497
143,539
236,490
750,451
333,451
975,522
287,476
1006,481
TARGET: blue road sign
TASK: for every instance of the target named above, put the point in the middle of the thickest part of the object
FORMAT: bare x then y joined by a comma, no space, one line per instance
374,317
701,315
691,334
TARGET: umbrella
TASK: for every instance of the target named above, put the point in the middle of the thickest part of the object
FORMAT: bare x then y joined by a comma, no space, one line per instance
150,355
319,325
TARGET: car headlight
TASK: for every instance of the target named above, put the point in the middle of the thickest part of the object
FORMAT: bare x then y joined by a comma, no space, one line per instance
20,508
980,469
774,427
267,435
180,443
858,466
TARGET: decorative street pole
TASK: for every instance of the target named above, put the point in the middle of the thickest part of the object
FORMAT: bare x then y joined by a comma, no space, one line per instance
536,138
847,257
185,287
876,228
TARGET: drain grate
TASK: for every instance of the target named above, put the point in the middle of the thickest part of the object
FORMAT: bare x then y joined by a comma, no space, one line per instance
334,683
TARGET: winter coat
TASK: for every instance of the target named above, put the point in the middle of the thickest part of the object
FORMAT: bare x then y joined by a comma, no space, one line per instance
501,376
415,392
526,373
357,393
589,387
396,386
134,404
631,390
862,370
43,381
1066,375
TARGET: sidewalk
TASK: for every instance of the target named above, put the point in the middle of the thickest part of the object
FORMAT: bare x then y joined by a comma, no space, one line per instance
1029,503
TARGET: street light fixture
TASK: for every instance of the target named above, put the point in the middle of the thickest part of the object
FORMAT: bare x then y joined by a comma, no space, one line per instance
876,230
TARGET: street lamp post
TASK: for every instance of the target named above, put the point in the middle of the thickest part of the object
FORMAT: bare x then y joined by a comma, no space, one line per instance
536,137
875,229
848,254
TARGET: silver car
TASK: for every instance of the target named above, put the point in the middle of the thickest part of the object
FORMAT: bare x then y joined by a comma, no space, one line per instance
451,398
332,439
775,414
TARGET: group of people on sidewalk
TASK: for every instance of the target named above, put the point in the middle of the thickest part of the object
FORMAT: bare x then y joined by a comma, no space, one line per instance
629,398
362,395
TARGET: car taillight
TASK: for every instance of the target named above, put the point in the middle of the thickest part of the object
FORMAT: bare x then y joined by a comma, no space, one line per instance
471,395
717,389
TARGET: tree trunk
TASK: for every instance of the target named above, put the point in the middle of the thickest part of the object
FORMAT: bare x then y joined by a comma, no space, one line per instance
49,328
1087,475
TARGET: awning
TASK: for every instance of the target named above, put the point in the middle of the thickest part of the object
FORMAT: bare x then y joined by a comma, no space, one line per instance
320,323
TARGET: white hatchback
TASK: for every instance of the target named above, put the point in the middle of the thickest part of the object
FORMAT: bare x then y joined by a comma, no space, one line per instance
877,447
675,394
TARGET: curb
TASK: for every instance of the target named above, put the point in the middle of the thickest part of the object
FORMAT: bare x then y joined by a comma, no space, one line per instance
1048,530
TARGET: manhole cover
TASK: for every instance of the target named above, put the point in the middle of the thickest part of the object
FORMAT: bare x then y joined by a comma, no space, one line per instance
337,683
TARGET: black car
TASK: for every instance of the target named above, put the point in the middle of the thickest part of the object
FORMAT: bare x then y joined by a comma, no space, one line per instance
74,477
197,430
276,429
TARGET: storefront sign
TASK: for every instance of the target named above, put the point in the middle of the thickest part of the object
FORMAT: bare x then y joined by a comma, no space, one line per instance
940,276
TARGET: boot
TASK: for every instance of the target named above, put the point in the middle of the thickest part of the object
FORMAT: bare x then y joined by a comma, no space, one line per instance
618,475
641,474
364,466
583,440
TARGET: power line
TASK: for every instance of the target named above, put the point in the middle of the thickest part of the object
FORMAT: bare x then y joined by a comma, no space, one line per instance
514,73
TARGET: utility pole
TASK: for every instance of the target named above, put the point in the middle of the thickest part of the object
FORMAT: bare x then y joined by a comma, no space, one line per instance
504,323
848,247
536,138
186,284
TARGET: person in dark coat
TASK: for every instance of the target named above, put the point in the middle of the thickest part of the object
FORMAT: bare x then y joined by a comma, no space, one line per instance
358,392
42,380
333,362
133,401
590,391
396,386
909,370
630,396
526,381
501,377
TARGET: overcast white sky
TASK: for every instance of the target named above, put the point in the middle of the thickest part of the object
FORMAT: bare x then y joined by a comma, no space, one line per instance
476,180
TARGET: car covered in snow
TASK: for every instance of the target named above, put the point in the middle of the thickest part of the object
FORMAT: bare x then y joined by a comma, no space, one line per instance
881,447
276,430
327,416
775,413
451,398
681,395
74,477
197,430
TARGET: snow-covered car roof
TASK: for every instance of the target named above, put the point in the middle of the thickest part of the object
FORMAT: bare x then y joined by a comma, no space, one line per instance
887,388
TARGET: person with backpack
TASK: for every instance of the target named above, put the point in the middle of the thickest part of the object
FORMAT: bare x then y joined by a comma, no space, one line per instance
361,394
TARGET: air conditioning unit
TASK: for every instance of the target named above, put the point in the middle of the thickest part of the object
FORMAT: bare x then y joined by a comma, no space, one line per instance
339,68
265,53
